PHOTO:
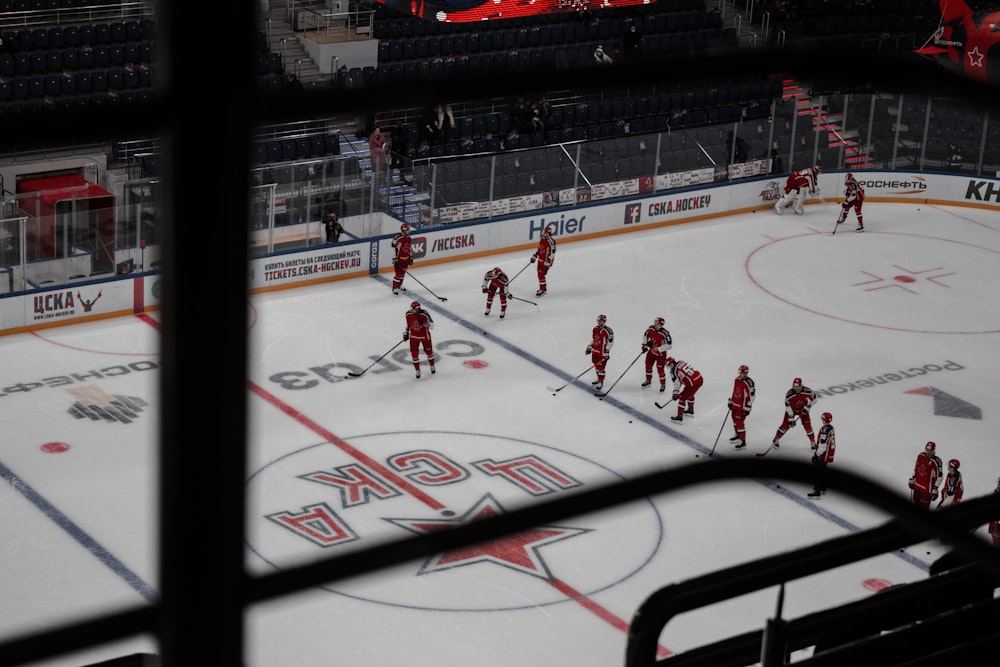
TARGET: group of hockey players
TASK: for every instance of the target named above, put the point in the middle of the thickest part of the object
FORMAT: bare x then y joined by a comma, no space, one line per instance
930,480
927,483
806,182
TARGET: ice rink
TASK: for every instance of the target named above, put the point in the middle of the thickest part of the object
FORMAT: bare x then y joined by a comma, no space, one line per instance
896,327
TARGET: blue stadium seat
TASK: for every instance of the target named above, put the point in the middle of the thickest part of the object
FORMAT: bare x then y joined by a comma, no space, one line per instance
102,33
84,83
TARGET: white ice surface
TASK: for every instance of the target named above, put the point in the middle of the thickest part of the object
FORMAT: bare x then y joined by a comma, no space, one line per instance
916,291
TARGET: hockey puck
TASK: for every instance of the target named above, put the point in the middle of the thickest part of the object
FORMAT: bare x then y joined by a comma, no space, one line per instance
553,393
629,421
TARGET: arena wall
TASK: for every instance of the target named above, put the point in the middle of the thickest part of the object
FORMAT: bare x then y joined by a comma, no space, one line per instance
137,293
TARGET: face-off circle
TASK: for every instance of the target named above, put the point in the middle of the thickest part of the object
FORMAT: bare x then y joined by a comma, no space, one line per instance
894,282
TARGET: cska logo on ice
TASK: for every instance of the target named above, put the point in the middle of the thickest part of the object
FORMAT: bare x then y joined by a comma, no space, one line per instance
332,497
771,193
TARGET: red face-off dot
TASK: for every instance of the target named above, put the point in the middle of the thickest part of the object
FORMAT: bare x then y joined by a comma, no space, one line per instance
876,585
54,447
905,279
475,363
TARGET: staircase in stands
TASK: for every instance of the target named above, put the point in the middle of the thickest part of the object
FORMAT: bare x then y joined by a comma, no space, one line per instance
276,25
833,123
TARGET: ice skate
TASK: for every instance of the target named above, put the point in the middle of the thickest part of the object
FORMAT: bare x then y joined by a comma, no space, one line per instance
418,375
774,443
540,292
815,494
735,438
663,388
740,444
433,370
646,383
677,418
598,386
860,228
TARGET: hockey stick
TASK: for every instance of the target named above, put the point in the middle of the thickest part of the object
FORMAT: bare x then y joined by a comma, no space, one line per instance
552,389
425,287
664,405
517,298
724,420
764,453
598,393
520,272
357,375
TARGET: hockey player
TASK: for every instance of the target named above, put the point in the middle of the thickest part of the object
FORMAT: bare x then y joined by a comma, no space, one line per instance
926,475
823,452
602,338
798,183
656,341
854,197
418,332
740,403
495,281
545,255
402,246
953,489
687,382
798,400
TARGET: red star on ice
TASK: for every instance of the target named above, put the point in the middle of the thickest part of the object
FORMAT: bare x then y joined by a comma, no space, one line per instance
519,552
976,58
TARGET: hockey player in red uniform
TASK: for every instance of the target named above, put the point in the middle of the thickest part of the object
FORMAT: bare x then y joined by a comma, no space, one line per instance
953,489
740,403
687,382
798,183
418,332
926,475
401,245
602,338
495,281
545,255
798,400
854,197
656,342
823,452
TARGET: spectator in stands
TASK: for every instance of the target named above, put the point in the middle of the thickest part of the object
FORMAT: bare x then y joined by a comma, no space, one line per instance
777,166
632,42
955,158
737,148
602,58
292,84
378,148
332,226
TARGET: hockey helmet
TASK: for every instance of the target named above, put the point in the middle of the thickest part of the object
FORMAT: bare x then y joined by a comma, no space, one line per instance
797,382
497,271
671,361
405,228
744,369
415,305
954,463
827,417
930,447
548,230
848,177
659,321
601,319
817,169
